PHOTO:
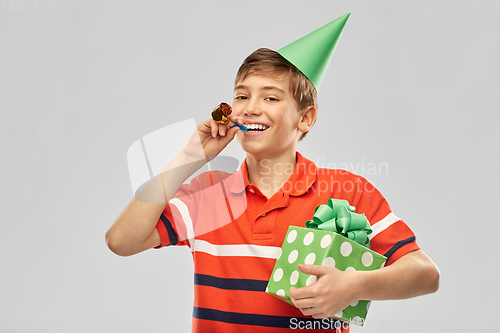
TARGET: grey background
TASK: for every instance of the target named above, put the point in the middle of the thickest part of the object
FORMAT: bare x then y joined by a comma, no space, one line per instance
413,88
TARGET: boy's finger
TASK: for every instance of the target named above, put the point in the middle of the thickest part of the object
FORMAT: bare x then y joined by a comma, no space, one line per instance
231,133
214,128
233,118
224,140
217,129
317,270
302,303
303,293
222,130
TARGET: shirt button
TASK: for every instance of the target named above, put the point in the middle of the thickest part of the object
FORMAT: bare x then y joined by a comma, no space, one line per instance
251,190
264,214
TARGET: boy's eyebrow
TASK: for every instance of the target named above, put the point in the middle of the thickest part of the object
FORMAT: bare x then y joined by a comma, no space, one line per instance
241,86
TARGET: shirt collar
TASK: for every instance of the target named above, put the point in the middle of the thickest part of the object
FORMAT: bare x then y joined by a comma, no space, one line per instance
300,181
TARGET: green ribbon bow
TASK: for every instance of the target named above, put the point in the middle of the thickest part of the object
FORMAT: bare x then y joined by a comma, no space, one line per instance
338,216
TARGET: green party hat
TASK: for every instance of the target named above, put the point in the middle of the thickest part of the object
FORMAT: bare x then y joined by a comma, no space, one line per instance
312,53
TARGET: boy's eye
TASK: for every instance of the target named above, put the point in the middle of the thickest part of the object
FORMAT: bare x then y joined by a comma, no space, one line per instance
240,97
271,99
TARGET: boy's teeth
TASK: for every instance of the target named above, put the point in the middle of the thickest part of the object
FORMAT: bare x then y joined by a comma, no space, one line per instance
256,127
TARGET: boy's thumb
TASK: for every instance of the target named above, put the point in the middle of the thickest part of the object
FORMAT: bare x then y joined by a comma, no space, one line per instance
224,140
230,134
233,130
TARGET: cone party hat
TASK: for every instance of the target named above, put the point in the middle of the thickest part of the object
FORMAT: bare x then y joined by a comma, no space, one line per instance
312,53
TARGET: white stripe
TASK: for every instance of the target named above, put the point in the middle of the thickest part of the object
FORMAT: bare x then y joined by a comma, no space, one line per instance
383,224
184,211
238,250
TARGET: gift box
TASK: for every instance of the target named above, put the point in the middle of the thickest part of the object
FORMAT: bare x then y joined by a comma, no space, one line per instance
332,238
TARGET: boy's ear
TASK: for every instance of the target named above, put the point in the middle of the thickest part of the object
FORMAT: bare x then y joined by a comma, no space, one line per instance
308,119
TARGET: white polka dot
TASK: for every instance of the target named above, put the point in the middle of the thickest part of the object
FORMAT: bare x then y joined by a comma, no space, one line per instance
311,279
339,314
346,249
294,277
278,274
354,303
350,269
308,238
326,240
367,259
368,305
357,321
291,236
279,255
267,289
383,264
293,256
310,259
329,261
281,293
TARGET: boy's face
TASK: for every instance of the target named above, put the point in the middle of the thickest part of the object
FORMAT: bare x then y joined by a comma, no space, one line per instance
270,112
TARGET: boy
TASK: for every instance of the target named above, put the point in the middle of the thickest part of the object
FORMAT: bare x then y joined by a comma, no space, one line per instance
235,240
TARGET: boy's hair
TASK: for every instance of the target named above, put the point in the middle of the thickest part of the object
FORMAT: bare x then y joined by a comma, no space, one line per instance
269,62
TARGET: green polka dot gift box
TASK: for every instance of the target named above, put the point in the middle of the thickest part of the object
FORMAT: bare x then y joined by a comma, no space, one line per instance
315,246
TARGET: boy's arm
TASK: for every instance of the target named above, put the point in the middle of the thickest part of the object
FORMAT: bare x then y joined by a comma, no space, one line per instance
414,274
135,228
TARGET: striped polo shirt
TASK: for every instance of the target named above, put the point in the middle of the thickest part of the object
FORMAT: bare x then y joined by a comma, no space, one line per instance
235,234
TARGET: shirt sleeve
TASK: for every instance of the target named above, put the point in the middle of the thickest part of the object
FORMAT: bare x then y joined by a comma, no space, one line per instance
176,222
171,233
390,236
197,208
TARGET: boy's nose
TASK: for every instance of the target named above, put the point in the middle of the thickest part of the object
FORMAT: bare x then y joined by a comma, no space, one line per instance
252,108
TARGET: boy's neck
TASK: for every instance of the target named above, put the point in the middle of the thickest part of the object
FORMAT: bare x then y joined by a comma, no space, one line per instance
270,174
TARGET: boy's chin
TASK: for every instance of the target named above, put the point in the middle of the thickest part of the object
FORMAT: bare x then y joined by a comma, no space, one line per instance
252,150
258,153
247,143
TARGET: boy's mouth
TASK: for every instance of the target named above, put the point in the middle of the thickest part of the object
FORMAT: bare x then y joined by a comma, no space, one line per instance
256,128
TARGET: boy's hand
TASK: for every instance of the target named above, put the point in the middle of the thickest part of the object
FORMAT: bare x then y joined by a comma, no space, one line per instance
214,137
333,291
